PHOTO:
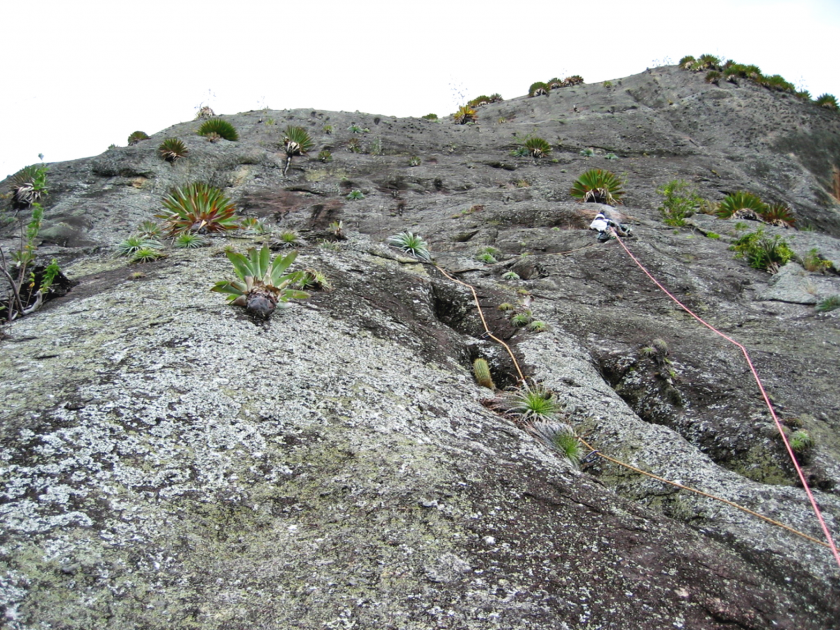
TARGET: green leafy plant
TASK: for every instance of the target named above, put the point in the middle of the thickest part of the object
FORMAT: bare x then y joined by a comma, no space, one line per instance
137,136
813,262
573,80
712,235
325,156
149,229
22,296
313,279
337,228
738,203
296,142
376,146
828,304
263,283
610,156
686,62
222,128
289,238
171,149
596,185
679,201
510,275
533,402
414,161
355,195
328,129
430,116
464,115
486,258
538,89
558,436
763,251
481,369
827,100
801,441
189,241
133,244
354,146
607,84
411,244
537,326
354,128
778,83
713,76
198,208
253,225
147,254
587,152
478,101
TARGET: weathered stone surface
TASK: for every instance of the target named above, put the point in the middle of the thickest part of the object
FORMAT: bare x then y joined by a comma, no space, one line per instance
169,463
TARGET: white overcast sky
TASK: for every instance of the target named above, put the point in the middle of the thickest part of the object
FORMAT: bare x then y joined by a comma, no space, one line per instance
79,75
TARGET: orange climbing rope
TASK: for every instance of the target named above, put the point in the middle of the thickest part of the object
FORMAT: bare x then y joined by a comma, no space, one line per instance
623,464
799,472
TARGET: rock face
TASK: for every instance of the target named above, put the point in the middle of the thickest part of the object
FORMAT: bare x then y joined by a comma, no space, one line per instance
169,463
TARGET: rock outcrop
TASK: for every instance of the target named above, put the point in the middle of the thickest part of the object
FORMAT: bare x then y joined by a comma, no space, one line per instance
169,463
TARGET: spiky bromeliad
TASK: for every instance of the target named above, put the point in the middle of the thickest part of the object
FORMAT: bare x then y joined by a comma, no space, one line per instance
264,282
296,142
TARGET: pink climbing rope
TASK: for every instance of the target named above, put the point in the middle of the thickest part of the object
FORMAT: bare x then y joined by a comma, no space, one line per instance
761,389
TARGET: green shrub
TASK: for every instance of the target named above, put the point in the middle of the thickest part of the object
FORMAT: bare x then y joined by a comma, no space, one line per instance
801,441
137,136
815,263
412,244
713,76
537,326
828,101
262,283
355,195
763,251
712,235
599,186
171,149
430,116
536,147
325,156
520,320
221,128
198,208
679,201
510,275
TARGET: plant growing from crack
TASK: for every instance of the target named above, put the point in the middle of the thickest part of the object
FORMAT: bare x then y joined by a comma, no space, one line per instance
263,283
533,402
481,369
411,244
133,244
679,201
763,251
741,204
464,115
136,137
172,149
560,437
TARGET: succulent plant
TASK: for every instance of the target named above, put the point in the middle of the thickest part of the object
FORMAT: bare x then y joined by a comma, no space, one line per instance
221,128
536,146
147,254
137,136
313,279
538,89
354,128
411,244
262,282
188,240
149,229
596,185
253,225
827,100
739,201
296,142
135,243
198,208
355,195
481,369
464,115
171,149
289,238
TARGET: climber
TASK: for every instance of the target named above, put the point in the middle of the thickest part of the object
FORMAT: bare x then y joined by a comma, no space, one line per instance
605,226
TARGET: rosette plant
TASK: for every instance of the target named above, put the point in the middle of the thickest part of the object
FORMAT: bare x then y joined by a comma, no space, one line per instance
296,142
464,115
263,283
536,146
741,201
221,128
171,149
198,208
598,186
